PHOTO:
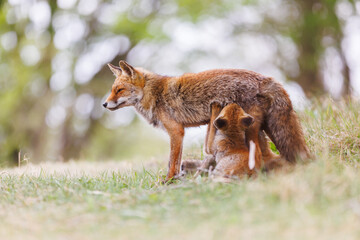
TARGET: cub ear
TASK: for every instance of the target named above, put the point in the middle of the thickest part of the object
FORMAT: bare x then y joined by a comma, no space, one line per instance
127,69
116,70
220,123
247,121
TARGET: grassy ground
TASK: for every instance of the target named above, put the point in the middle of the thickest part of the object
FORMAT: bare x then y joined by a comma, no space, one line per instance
126,201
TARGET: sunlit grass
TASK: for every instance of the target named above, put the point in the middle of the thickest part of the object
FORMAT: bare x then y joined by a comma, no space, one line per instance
126,200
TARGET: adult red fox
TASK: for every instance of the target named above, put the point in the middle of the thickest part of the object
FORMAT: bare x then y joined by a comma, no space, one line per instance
174,103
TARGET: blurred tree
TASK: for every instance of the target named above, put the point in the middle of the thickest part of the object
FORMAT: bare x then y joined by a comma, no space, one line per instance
53,55
43,44
318,20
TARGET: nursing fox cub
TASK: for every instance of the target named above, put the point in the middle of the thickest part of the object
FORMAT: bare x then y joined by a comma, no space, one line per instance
234,155
231,154
174,103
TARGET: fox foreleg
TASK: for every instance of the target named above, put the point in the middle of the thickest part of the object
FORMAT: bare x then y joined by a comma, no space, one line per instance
209,150
176,133
211,130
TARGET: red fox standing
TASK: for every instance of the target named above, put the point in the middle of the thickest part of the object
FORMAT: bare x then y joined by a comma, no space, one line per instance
174,103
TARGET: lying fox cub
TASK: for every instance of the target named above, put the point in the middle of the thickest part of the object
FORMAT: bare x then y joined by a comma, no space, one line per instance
232,155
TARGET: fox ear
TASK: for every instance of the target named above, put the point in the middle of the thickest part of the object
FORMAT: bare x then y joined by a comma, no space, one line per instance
220,122
247,121
127,69
116,70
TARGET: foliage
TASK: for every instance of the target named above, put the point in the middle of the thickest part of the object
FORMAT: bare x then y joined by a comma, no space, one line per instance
53,57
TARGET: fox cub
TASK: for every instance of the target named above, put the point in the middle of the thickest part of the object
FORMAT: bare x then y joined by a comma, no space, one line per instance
232,155
231,152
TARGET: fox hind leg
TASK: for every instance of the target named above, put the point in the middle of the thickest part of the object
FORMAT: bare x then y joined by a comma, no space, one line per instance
284,129
267,154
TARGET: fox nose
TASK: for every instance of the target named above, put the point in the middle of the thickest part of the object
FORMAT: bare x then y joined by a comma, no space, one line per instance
104,104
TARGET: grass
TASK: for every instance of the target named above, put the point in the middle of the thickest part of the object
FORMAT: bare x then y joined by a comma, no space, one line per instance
122,200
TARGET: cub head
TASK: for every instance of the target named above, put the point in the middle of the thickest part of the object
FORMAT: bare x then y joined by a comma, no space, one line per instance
128,86
233,119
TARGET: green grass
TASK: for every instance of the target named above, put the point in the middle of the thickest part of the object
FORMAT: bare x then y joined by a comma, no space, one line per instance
120,200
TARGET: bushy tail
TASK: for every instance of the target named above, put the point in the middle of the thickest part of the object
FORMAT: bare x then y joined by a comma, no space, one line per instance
282,124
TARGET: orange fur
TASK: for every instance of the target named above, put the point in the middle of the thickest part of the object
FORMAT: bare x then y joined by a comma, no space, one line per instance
231,149
237,153
174,103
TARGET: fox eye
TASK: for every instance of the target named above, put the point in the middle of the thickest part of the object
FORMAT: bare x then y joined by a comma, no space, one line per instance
119,90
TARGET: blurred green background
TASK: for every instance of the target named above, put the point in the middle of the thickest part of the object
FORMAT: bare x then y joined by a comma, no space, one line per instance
53,55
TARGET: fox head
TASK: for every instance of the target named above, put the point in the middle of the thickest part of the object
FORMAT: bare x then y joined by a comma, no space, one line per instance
128,86
233,119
